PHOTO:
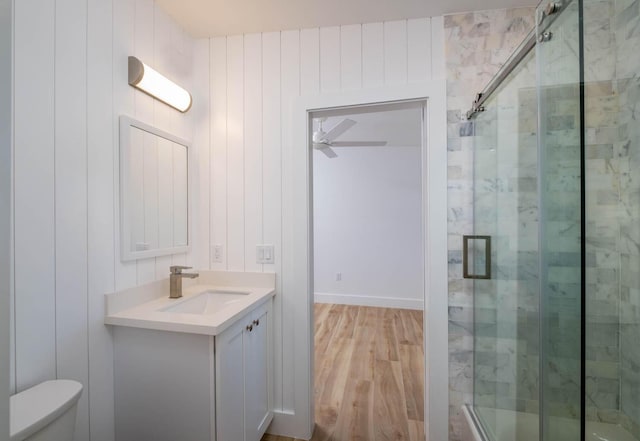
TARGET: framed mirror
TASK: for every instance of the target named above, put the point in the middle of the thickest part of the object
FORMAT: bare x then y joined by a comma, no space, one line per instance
154,191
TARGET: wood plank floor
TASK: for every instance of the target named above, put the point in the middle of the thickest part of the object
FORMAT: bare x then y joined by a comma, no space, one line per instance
369,371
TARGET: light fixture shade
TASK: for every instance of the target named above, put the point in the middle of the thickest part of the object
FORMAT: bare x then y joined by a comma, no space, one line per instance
158,86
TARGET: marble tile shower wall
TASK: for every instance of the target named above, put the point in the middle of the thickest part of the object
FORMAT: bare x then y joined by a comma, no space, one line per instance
602,196
561,271
477,44
560,197
506,208
612,93
611,214
626,17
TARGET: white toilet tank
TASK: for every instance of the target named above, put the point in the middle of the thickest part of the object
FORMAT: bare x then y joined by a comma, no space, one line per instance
45,412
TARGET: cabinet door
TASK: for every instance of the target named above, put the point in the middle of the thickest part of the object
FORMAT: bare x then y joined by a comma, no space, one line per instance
230,383
257,375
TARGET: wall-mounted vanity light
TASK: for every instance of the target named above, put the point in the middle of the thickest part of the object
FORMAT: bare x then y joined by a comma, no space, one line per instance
158,86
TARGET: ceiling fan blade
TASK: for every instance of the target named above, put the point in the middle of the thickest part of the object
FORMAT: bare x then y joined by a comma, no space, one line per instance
359,144
324,148
339,129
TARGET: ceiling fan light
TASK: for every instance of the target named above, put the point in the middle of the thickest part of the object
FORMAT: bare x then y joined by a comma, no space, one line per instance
318,137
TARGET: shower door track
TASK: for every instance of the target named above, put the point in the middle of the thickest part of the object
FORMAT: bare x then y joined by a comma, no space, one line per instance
553,10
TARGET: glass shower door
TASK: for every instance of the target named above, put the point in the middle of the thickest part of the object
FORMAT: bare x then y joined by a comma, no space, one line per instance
561,222
503,259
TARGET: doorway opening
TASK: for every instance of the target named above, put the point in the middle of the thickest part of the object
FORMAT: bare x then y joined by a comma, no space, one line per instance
368,270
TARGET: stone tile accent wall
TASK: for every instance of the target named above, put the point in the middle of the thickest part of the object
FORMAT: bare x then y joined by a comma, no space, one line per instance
612,95
625,16
561,246
602,196
506,208
477,44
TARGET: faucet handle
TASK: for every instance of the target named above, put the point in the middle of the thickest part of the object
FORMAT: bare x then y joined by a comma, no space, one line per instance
177,269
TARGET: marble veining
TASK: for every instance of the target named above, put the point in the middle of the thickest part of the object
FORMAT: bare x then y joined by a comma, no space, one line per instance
477,44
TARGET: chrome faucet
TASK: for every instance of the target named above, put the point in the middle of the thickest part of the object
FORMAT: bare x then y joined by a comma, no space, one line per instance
175,280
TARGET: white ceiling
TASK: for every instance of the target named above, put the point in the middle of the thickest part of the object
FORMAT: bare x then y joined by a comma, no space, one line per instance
209,18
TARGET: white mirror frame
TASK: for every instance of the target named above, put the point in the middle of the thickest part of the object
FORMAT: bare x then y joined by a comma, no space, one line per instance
126,254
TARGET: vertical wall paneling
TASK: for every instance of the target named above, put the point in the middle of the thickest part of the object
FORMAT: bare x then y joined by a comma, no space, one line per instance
166,204
296,46
178,62
437,48
218,98
372,54
310,61
395,52
70,89
330,59
101,117
184,64
143,48
150,197
180,188
161,42
309,56
71,199
143,40
253,128
135,184
235,154
252,143
6,103
351,56
201,155
418,50
272,72
34,192
67,201
124,103
11,248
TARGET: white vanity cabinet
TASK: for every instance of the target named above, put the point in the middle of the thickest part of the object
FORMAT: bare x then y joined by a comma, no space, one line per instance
243,377
184,386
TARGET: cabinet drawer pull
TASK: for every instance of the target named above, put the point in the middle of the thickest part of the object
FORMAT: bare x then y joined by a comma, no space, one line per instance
249,328
256,322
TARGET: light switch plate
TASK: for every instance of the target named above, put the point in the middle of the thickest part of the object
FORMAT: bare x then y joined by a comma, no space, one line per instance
265,254
217,255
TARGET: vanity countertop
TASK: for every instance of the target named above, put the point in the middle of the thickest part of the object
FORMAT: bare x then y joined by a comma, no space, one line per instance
146,306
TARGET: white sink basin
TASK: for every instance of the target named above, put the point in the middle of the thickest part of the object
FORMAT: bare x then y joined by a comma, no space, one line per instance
208,302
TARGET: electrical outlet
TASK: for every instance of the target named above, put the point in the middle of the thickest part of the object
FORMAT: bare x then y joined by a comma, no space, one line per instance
217,255
338,277
265,254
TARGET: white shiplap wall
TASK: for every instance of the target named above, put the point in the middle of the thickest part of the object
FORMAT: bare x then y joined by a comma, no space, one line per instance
70,87
6,69
254,80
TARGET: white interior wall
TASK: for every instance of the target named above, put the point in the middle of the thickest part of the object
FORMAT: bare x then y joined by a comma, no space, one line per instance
70,71
6,63
254,81
367,226
70,87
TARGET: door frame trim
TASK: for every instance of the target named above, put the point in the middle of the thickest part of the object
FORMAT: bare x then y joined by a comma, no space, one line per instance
296,418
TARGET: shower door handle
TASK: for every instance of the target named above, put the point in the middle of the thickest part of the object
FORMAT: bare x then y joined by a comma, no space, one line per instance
479,241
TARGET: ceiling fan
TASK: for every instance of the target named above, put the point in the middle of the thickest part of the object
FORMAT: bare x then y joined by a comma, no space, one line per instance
324,141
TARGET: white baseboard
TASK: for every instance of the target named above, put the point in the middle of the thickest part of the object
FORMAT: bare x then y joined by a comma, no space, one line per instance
359,300
288,424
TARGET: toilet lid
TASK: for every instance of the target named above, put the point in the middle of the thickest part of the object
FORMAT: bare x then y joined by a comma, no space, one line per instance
34,408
